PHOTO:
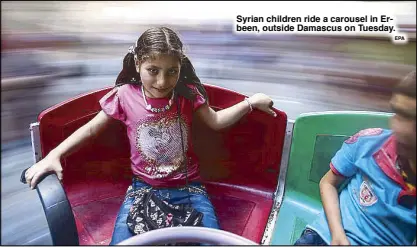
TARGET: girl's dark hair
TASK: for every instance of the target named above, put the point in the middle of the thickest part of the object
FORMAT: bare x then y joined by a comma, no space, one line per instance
155,41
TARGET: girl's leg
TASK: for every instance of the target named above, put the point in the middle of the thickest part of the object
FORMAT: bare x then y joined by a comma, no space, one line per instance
199,201
203,204
121,230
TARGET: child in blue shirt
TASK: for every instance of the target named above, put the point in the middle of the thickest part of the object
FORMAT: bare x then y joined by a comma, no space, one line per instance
378,204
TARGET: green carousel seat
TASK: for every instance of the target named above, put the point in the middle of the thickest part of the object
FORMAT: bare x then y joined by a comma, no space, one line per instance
316,138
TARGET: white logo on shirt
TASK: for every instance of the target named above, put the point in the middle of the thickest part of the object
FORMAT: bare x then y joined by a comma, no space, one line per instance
366,196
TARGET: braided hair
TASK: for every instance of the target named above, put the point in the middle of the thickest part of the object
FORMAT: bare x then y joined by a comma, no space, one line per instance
153,42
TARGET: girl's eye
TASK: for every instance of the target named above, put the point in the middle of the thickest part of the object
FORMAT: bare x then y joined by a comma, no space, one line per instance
173,71
153,71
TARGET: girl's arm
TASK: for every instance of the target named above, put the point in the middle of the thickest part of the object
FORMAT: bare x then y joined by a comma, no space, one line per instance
75,141
229,116
329,185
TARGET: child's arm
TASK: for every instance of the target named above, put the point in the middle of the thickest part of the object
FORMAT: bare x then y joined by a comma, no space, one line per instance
329,185
52,161
229,116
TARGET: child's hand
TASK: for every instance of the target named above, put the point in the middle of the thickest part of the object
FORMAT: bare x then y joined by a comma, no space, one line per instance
48,164
262,102
340,240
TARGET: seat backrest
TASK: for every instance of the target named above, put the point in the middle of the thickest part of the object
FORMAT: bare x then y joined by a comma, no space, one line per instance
316,139
247,153
58,122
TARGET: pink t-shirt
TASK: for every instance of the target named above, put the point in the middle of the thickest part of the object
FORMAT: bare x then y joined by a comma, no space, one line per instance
155,138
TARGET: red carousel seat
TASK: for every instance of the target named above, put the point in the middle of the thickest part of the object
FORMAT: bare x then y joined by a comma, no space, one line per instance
239,165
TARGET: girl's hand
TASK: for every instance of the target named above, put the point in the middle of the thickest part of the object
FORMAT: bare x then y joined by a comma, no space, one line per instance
340,240
50,163
262,102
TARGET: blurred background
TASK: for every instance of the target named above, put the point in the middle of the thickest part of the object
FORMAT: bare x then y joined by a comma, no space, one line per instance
52,51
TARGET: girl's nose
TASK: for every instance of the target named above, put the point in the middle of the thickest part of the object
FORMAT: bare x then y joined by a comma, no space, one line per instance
162,81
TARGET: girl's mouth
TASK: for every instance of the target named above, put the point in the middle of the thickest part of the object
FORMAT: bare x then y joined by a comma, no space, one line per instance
162,90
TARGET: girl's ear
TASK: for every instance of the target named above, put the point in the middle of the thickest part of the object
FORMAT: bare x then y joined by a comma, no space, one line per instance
137,63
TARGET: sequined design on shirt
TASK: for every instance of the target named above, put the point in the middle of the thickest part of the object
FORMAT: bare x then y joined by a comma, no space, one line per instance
158,140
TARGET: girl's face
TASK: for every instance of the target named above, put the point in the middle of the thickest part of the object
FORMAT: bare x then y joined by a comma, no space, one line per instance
159,75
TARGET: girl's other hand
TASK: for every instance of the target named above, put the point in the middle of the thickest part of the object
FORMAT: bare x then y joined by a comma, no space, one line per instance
262,102
50,163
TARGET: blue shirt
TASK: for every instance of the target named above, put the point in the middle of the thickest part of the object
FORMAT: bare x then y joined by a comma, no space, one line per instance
370,204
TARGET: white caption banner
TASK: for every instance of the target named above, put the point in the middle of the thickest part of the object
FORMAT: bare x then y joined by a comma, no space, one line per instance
381,25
